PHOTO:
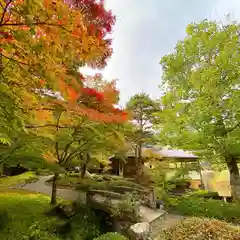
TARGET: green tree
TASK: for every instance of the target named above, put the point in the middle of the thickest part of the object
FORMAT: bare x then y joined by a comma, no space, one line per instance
142,108
26,150
201,101
79,142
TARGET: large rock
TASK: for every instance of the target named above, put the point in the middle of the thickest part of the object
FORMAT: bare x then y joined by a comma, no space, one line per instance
140,231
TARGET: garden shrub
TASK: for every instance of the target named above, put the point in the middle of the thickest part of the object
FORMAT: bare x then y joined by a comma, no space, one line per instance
37,233
201,229
78,221
78,227
204,194
62,210
43,172
195,206
73,174
98,182
115,184
111,236
127,209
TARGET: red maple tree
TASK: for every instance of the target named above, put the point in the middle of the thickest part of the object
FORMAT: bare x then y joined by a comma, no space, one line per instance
86,25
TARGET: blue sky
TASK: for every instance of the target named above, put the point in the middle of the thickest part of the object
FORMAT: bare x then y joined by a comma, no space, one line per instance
146,30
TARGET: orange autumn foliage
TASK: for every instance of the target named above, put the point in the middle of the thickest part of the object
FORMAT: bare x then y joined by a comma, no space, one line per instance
94,104
46,46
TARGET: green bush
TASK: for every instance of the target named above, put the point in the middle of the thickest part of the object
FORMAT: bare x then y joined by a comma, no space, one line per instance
111,236
195,206
79,227
73,174
201,229
78,221
108,183
85,224
127,208
43,172
204,194
37,233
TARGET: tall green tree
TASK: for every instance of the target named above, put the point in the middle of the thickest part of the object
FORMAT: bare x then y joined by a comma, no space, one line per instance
202,99
142,108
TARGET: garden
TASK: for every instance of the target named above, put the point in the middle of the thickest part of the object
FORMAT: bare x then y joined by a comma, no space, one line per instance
76,165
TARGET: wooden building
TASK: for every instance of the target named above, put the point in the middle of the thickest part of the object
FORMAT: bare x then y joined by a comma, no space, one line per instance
177,159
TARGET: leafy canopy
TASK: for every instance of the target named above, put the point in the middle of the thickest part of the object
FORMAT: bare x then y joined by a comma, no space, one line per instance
43,44
201,101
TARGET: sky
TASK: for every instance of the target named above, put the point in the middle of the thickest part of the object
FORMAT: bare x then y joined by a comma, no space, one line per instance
146,30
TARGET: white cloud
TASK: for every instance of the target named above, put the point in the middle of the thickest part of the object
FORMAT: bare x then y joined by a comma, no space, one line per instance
147,30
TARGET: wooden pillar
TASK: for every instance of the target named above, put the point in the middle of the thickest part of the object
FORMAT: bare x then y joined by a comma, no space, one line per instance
200,171
182,168
120,168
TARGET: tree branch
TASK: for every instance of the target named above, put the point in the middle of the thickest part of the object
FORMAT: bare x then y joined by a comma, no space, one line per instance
74,153
65,151
233,128
41,109
36,24
4,11
56,144
49,125
12,59
11,153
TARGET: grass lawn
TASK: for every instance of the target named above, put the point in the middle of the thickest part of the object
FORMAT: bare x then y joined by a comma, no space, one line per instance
21,178
19,210
23,217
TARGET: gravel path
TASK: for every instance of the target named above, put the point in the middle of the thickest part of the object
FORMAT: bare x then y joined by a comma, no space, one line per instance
41,187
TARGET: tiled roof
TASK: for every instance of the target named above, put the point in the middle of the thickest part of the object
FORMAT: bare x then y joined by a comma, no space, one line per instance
170,153
176,153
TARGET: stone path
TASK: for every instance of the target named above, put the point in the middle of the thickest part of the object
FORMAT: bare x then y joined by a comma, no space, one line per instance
41,187
168,221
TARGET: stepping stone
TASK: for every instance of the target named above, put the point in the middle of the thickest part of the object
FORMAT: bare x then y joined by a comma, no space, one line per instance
149,215
169,221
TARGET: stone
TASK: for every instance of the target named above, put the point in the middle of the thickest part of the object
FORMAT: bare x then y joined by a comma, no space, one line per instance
68,210
140,231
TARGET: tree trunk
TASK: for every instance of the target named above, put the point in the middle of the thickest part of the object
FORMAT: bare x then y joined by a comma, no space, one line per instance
139,161
1,64
1,169
83,170
101,168
86,160
54,189
234,176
